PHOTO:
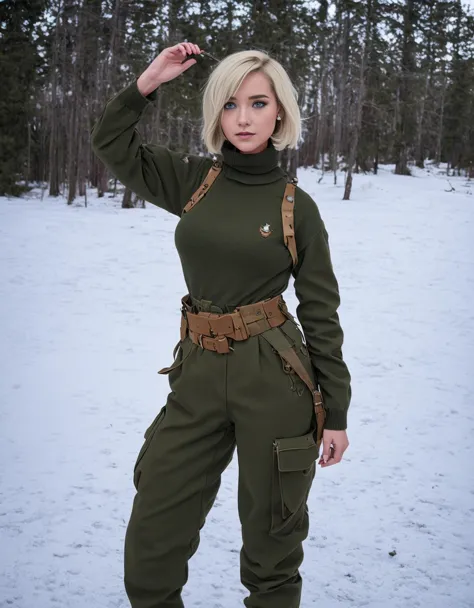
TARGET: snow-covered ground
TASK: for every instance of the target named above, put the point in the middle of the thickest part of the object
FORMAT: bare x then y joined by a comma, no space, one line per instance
89,311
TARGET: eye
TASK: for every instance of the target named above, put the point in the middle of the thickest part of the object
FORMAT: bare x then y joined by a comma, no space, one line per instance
232,103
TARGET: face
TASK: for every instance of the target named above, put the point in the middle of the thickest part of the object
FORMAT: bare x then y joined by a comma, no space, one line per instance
252,109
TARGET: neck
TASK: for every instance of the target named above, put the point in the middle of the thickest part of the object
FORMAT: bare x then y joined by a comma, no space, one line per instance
260,148
258,167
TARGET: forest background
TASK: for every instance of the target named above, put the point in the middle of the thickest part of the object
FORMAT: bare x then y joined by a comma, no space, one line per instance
379,81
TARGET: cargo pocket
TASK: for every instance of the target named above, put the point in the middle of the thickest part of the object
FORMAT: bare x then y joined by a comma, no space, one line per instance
294,468
146,444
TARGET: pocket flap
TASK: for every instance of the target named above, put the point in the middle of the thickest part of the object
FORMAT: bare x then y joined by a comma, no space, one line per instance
296,453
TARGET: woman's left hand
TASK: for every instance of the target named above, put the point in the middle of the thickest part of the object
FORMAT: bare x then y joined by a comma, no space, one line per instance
332,454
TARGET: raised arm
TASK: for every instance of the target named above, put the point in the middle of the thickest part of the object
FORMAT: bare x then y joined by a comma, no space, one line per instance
162,177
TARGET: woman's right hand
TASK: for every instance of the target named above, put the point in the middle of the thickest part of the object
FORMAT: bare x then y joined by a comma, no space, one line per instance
167,66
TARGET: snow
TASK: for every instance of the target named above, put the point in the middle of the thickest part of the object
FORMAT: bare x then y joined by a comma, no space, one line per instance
89,311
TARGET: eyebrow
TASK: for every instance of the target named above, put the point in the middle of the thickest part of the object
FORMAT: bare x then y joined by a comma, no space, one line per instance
253,96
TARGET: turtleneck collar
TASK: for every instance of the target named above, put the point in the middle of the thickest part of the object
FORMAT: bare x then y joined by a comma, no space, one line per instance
260,168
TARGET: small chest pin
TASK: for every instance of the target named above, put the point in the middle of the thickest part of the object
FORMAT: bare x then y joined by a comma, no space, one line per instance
265,230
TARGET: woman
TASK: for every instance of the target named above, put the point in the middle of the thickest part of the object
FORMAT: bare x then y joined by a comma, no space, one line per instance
236,381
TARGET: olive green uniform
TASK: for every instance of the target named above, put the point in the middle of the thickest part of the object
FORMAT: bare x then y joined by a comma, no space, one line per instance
245,398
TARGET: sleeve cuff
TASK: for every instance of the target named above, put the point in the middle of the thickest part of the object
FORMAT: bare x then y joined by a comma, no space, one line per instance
131,97
336,420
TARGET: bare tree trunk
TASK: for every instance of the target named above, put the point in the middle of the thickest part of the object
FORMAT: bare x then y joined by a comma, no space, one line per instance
76,103
419,127
28,159
312,158
428,64
340,87
54,114
440,122
319,152
127,199
359,105
406,72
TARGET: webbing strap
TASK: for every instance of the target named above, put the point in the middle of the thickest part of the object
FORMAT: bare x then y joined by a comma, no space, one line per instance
176,363
278,340
281,344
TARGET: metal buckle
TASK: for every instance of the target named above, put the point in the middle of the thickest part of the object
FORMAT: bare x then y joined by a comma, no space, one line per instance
217,339
228,342
224,339
317,398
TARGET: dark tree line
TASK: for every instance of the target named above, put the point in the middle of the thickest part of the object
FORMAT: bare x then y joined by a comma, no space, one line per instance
379,81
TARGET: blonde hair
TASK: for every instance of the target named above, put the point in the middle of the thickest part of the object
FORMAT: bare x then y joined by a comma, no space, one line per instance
224,82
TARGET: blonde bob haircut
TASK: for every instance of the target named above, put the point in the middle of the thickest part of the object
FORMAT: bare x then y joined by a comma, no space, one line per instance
225,81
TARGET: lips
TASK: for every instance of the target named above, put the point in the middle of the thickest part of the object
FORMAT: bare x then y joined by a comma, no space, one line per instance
245,133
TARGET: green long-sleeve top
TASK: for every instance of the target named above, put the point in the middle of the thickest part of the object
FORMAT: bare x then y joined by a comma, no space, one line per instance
225,258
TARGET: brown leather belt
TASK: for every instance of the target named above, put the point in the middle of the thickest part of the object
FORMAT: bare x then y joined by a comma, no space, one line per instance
213,331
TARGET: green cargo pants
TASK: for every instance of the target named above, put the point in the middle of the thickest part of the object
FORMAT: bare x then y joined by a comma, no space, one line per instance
245,399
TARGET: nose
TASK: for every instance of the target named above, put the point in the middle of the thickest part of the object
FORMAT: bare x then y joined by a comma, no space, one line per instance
243,118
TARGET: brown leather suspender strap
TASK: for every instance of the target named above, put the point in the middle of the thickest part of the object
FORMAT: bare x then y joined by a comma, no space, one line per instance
287,215
287,206
204,187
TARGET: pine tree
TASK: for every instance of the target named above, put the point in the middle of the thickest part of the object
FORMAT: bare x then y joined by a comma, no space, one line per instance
19,63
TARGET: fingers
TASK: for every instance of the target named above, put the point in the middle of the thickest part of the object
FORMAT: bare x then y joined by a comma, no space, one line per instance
188,63
327,450
188,48
335,444
336,455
